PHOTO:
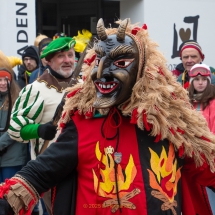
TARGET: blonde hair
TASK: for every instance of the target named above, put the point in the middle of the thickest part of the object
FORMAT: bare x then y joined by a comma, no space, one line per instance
38,39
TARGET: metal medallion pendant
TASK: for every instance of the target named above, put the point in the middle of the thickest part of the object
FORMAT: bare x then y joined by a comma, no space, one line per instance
118,157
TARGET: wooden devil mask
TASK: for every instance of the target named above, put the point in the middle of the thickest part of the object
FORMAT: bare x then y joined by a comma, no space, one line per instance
116,68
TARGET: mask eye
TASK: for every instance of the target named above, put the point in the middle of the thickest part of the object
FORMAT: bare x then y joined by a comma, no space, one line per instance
97,61
123,63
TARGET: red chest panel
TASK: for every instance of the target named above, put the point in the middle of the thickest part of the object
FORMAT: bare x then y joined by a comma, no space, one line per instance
98,182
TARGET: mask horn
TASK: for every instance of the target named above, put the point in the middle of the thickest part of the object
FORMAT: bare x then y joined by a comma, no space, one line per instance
101,30
121,30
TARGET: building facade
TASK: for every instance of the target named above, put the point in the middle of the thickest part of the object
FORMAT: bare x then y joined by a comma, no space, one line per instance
69,16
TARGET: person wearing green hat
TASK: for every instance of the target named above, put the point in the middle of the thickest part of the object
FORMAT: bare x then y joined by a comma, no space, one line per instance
37,102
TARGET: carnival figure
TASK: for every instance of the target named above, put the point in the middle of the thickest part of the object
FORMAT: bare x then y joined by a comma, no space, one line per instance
128,135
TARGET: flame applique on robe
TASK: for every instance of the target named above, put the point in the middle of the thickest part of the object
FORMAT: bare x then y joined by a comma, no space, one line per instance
106,186
164,177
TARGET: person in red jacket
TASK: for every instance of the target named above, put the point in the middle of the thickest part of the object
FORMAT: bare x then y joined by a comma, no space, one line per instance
202,93
128,137
202,97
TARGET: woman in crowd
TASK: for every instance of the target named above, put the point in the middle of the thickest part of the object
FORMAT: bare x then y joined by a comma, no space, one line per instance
202,97
202,93
13,155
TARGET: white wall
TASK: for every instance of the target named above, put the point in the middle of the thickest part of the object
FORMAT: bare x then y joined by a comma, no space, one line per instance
160,17
18,25
133,9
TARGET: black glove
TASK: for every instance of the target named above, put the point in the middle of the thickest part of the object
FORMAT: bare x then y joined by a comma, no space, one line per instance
47,131
5,208
3,151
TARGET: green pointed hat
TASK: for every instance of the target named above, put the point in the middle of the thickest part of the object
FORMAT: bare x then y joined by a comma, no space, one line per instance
61,43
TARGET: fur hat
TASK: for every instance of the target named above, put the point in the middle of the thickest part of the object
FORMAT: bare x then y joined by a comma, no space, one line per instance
191,44
197,67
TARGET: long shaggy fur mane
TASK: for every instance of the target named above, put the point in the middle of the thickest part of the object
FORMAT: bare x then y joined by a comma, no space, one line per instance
157,96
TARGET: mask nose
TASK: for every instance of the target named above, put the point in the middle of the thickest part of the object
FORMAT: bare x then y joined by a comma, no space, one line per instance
100,67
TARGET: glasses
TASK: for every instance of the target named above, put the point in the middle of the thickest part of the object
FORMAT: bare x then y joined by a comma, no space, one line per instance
199,71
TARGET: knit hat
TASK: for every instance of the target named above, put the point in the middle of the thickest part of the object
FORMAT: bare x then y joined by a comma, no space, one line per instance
191,44
31,51
44,42
5,73
200,69
59,44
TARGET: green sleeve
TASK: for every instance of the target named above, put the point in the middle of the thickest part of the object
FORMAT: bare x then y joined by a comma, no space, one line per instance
29,131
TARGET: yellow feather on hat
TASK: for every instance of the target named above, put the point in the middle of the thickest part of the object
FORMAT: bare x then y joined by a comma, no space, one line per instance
82,39
9,62
4,62
14,61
